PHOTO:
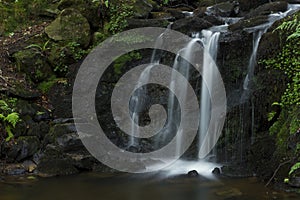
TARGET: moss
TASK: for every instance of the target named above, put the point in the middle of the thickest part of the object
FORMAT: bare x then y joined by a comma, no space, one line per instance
121,61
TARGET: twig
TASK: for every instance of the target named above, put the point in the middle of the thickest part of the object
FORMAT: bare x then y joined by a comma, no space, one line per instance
279,166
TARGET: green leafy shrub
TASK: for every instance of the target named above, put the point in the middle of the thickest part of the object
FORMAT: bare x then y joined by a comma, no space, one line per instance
119,13
8,118
288,60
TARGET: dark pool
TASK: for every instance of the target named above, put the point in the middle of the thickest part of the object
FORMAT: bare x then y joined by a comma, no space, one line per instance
135,187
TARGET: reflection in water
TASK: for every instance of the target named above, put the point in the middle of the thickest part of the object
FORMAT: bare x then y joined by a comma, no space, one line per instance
136,187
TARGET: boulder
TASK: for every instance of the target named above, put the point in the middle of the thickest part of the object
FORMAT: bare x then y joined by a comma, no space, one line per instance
34,64
176,13
247,5
248,23
226,9
137,23
294,182
70,26
266,9
142,9
88,8
190,25
193,173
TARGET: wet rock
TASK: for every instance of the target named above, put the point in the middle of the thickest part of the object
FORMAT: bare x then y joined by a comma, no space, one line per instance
137,23
193,173
266,9
200,12
54,163
28,145
59,130
33,64
216,171
70,26
226,9
142,8
70,142
161,15
294,182
247,5
38,129
248,23
14,169
190,25
176,13
29,166
213,20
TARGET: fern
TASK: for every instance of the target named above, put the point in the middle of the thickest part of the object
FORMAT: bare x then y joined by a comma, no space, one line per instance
290,26
8,118
294,168
12,118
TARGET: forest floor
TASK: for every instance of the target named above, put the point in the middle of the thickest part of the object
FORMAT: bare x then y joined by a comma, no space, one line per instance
10,44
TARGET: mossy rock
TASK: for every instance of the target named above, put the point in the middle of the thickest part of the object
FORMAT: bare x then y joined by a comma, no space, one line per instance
28,146
248,23
89,9
70,26
142,8
33,64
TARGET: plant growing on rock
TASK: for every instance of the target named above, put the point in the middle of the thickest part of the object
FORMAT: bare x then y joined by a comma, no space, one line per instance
8,118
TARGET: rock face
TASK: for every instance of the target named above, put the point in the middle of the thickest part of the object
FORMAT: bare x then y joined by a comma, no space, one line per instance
226,9
70,26
268,8
190,25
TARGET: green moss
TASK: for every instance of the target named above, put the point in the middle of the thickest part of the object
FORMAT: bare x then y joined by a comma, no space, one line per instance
121,61
45,86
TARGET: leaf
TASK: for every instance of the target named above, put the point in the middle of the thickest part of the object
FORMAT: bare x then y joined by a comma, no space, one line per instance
3,105
12,118
294,168
106,3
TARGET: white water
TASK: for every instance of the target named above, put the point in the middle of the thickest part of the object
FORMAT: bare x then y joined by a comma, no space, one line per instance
210,43
142,92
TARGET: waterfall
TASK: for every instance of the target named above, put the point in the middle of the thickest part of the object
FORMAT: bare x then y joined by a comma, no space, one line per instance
210,43
182,67
137,99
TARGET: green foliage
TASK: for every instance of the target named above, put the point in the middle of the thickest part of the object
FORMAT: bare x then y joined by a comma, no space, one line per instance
41,48
119,12
8,118
294,168
288,60
16,14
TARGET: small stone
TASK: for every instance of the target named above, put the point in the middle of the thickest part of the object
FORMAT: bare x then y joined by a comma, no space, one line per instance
216,171
193,173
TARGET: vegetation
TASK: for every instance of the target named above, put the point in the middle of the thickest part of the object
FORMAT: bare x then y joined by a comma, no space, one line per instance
8,117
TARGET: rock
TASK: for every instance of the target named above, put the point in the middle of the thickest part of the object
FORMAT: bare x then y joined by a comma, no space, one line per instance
70,143
56,167
161,15
29,166
193,173
89,9
38,129
200,12
248,23
176,13
216,171
190,25
58,130
226,9
142,9
266,9
14,169
29,145
70,26
294,182
213,20
19,90
137,23
54,163
247,5
34,64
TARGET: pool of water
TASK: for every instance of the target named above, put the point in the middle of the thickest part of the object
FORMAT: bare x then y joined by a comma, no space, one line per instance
135,187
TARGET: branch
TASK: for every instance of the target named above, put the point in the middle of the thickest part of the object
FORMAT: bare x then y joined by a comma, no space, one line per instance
279,166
